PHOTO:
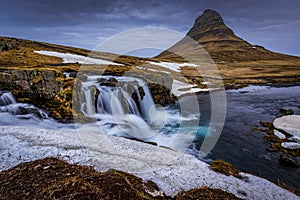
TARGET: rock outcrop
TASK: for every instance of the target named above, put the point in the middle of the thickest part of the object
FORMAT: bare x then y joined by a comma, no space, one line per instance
46,89
7,44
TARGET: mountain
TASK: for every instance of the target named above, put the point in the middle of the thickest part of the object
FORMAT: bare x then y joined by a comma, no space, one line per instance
210,31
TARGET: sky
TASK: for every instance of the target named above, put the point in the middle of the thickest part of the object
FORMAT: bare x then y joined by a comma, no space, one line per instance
274,24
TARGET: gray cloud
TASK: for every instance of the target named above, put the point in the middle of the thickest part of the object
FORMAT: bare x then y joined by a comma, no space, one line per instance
274,24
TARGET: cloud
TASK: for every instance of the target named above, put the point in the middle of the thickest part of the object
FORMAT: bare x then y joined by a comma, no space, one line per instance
84,23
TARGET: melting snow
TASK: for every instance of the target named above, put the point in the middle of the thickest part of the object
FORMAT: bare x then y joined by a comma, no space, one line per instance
180,88
279,135
290,145
153,70
72,58
171,171
172,66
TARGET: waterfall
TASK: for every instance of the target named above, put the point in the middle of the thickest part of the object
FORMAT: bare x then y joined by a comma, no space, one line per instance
127,103
10,105
6,99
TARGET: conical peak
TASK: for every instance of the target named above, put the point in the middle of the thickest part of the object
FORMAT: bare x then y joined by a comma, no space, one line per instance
209,18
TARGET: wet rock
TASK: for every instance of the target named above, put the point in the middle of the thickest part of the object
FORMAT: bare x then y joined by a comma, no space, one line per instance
81,76
289,161
286,111
267,124
108,82
161,94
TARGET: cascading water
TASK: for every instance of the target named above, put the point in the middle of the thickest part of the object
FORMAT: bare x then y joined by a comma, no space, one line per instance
115,107
123,106
20,114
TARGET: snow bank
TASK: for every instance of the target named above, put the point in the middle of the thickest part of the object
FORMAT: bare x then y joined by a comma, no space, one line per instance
72,58
171,171
172,65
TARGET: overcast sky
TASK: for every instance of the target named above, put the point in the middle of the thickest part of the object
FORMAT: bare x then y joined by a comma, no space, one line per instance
274,24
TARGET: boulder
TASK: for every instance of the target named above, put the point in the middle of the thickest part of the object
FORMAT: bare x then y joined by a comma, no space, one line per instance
7,44
267,124
286,111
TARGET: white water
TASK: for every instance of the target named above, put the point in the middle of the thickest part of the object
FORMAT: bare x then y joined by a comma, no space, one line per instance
23,114
118,113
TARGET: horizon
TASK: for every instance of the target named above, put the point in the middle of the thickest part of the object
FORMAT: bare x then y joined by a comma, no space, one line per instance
85,25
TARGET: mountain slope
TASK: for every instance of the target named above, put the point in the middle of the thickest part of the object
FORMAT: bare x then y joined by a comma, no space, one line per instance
221,43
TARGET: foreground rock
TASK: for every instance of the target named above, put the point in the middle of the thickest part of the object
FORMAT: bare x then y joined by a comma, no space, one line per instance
172,171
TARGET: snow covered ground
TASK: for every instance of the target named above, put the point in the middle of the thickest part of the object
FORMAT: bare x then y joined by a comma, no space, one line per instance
72,58
172,65
170,170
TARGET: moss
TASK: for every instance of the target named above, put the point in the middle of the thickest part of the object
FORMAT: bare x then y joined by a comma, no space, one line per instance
225,168
36,79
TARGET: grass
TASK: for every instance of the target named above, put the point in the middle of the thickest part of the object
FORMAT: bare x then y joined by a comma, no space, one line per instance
225,168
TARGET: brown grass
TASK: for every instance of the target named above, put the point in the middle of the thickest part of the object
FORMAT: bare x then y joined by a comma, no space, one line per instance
51,178
225,168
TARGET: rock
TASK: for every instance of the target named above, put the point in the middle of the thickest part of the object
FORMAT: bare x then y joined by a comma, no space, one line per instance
289,161
81,76
290,145
108,82
267,124
286,111
7,44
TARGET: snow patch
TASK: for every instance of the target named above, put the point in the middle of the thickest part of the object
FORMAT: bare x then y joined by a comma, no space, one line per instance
290,145
172,65
279,135
72,58
171,171
153,70
180,88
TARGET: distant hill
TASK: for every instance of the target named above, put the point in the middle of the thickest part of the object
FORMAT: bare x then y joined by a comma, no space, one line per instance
221,43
